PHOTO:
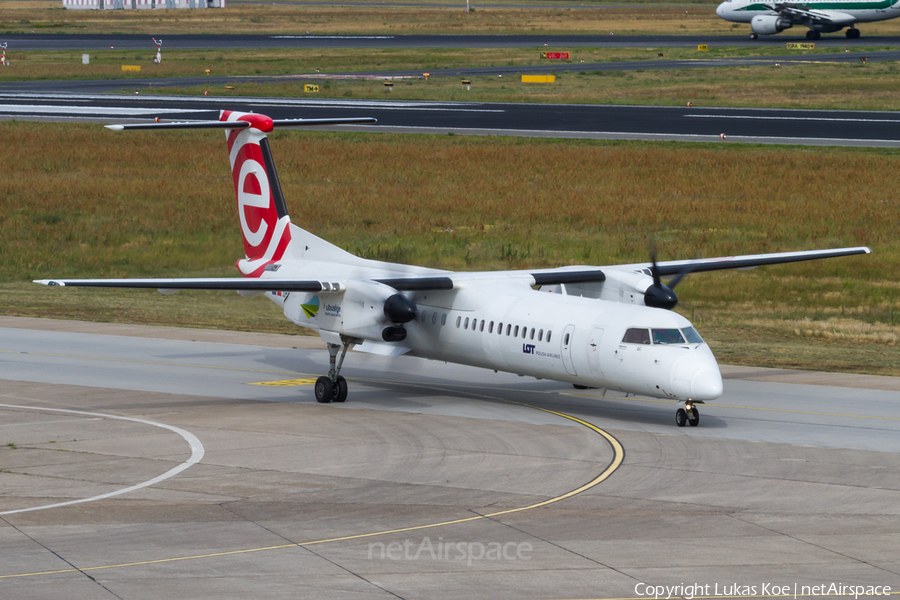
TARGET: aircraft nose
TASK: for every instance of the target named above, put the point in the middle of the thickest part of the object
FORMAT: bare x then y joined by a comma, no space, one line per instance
707,385
720,9
697,378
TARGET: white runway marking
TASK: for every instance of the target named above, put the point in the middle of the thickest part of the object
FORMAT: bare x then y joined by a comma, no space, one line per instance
197,452
844,120
331,37
614,135
88,110
304,102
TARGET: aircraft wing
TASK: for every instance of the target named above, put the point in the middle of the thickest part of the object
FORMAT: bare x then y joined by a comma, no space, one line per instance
799,14
565,275
271,284
251,284
749,261
237,284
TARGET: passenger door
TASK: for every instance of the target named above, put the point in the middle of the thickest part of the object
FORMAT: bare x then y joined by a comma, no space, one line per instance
593,350
567,338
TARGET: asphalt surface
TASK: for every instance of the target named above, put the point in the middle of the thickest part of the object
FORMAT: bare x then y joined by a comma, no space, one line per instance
87,42
810,127
175,474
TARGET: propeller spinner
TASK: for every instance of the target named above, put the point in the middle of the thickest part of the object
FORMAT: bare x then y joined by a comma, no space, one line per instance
660,295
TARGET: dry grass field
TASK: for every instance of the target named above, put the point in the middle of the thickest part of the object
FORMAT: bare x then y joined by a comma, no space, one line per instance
618,18
265,18
82,201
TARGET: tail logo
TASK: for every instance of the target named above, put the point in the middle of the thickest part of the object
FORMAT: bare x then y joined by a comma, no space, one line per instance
311,308
253,193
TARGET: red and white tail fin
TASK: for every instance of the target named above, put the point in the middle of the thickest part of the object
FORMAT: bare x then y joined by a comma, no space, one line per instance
265,223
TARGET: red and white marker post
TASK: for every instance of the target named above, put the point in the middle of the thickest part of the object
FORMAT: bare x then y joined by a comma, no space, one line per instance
158,58
3,55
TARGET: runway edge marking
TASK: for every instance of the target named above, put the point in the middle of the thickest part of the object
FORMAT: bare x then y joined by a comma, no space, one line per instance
612,467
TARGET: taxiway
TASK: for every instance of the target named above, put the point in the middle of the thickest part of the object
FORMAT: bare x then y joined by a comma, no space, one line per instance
781,483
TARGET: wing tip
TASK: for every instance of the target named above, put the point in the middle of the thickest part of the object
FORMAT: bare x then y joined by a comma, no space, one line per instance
115,127
52,282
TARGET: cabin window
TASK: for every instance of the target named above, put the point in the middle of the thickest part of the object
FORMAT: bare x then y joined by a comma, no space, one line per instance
458,321
481,327
636,336
466,326
532,333
566,340
491,327
548,336
524,332
434,318
692,336
443,319
508,329
667,336
474,324
424,314
500,329
541,335
516,334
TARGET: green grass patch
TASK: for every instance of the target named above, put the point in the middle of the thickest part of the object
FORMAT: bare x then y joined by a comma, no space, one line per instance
80,201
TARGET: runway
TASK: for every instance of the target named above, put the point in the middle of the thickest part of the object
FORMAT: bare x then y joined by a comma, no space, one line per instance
705,124
586,497
86,42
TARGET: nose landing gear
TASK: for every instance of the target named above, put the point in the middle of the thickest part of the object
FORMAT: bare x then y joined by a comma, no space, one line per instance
689,415
333,387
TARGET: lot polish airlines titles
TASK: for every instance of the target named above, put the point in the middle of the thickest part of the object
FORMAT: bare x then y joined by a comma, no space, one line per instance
734,590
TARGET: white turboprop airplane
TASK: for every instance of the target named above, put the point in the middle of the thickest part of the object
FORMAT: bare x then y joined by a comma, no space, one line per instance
821,16
601,327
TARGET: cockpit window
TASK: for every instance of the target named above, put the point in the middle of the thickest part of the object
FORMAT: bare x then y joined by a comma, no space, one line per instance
692,336
667,336
636,336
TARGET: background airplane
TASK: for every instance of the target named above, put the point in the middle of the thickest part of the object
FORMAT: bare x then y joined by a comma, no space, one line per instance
820,16
608,327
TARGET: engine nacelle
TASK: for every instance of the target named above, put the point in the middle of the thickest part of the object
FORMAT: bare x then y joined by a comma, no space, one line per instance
769,24
359,309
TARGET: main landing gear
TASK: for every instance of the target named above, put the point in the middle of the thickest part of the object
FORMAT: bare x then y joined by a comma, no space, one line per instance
333,387
689,415
853,33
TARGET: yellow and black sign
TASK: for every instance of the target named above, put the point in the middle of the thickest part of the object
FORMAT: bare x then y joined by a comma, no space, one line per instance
131,67
309,88
801,46
703,47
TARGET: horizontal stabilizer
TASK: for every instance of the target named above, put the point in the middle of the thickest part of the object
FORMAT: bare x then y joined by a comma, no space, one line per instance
244,124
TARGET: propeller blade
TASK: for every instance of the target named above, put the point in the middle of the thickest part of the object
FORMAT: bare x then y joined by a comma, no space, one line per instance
659,295
654,271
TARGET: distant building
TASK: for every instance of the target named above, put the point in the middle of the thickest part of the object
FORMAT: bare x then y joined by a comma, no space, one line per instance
140,4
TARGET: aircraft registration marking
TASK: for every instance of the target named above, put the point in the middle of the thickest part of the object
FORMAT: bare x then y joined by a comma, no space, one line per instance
287,382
